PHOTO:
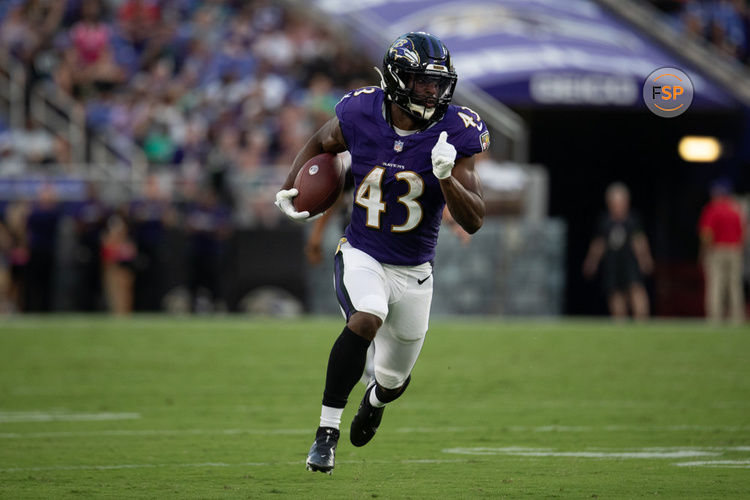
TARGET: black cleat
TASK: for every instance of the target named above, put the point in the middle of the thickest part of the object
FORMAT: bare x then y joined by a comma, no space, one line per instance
322,456
366,421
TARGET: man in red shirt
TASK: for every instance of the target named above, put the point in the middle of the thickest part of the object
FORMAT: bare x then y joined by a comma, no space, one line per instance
721,229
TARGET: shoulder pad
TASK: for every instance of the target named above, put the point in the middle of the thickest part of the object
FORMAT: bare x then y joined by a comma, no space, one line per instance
466,124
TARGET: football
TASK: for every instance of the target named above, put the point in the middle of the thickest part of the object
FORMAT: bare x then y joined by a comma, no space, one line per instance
319,182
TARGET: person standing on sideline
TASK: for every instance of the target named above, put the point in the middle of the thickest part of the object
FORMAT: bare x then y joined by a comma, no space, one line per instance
620,245
412,153
90,220
118,254
721,229
41,228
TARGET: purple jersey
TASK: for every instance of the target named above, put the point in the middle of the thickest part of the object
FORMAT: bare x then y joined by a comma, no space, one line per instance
398,203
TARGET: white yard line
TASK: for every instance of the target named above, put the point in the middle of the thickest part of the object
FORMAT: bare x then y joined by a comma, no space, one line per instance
670,452
677,428
536,452
621,428
436,430
133,466
728,464
63,416
153,432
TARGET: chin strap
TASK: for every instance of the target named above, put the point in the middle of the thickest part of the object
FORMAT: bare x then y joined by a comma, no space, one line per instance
388,116
386,107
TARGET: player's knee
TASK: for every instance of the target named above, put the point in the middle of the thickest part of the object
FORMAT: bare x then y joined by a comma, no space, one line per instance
410,336
364,324
386,395
392,377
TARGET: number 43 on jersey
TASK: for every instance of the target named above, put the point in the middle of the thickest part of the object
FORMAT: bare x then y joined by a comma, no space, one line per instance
370,197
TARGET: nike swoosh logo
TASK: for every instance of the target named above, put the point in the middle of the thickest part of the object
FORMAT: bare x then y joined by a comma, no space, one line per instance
422,281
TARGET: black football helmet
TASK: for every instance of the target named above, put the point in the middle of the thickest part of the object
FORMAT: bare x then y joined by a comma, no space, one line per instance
418,76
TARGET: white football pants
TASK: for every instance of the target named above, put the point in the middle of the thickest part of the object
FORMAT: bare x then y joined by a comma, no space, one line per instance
399,295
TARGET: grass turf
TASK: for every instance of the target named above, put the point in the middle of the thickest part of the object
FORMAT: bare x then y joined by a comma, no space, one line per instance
157,407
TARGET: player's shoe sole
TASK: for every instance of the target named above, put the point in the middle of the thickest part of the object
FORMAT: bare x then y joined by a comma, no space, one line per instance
315,468
322,455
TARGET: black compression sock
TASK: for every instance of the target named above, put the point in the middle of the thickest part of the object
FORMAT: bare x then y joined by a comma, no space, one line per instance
345,366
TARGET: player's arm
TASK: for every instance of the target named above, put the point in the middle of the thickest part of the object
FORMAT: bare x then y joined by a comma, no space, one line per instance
705,233
706,241
464,196
314,245
449,221
643,253
328,139
460,184
594,255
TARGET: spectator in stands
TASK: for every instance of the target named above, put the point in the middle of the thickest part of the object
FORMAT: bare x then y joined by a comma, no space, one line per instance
222,159
31,145
34,144
695,19
142,25
11,161
174,90
321,99
722,234
293,127
229,89
158,144
728,28
62,152
30,25
89,62
16,33
723,23
255,149
118,255
621,247
42,225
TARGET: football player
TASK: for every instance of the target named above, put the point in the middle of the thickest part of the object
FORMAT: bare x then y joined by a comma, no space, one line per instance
411,155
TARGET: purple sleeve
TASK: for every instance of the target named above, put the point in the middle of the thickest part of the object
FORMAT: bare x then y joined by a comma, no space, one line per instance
469,134
344,113
352,109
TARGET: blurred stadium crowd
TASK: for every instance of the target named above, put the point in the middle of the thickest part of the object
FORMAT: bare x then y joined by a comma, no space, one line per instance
194,84
724,24
218,95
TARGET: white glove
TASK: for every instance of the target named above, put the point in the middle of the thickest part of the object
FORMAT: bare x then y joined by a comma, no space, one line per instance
284,202
443,157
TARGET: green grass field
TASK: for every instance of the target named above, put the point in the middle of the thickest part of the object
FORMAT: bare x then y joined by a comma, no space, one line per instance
157,407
